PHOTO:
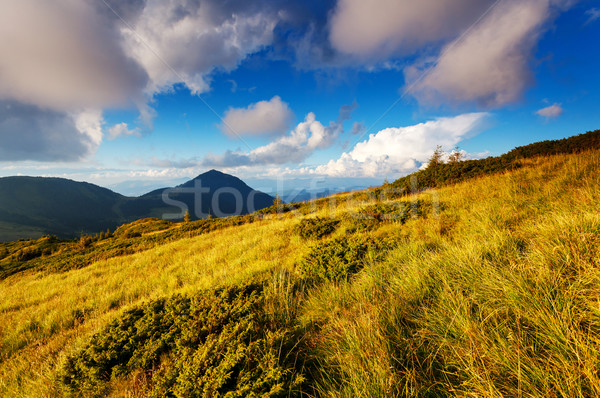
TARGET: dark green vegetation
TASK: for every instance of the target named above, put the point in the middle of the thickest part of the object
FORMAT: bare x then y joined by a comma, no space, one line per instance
316,228
339,258
212,344
453,172
34,206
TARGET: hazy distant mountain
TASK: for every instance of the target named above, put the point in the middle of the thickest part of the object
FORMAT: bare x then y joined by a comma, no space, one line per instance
33,206
213,192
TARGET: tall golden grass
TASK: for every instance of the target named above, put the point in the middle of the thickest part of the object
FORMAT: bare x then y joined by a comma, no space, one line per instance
495,294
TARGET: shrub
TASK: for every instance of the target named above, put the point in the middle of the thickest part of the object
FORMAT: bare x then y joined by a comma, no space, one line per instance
315,228
86,241
283,208
337,259
213,344
396,211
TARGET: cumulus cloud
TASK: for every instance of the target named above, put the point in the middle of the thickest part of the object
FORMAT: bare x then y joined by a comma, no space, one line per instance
89,122
395,151
300,143
28,132
377,29
490,64
60,55
551,112
307,137
61,64
122,129
263,117
183,41
76,58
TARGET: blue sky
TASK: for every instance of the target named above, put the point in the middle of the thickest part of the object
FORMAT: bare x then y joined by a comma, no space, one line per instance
137,94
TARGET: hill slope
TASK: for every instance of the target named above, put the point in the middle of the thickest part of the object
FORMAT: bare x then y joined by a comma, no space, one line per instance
55,205
451,173
483,288
34,206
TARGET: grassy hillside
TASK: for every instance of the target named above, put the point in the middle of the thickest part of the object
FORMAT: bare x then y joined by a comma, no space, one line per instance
489,287
453,172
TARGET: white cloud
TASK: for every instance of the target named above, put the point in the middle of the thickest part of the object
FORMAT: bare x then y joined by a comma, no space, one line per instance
395,151
307,137
551,112
61,64
263,117
122,129
70,56
183,41
89,122
377,29
593,15
490,64
62,56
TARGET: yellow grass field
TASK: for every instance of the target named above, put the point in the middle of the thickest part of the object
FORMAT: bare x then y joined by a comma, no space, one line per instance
494,292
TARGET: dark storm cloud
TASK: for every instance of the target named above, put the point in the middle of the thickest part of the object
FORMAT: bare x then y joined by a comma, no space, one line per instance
30,133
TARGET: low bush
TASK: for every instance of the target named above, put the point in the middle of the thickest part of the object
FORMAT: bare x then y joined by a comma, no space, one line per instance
316,228
399,211
284,208
213,344
337,259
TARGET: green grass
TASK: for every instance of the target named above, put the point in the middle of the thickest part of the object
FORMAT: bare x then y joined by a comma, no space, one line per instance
486,288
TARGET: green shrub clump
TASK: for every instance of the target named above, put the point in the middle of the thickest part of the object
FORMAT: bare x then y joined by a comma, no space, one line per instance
399,211
316,228
283,208
214,344
337,259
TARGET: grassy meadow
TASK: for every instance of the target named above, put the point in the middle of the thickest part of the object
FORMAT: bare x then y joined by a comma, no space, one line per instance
486,288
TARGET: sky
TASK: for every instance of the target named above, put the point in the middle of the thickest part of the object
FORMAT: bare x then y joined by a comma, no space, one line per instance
137,94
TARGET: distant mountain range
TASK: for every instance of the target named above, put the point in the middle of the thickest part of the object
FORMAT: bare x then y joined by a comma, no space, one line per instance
34,206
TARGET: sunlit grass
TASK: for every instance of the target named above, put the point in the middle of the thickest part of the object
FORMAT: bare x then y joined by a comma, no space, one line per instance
502,302
494,293
48,310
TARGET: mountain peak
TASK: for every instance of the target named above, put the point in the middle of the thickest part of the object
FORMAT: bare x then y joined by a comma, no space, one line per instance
211,173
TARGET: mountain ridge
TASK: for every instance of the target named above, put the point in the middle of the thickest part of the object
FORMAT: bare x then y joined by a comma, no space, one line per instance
32,206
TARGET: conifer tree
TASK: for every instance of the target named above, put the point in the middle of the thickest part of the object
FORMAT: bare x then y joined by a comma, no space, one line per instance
455,156
436,158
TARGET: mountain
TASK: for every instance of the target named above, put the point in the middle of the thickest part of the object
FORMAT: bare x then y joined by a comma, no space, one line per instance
213,192
34,206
